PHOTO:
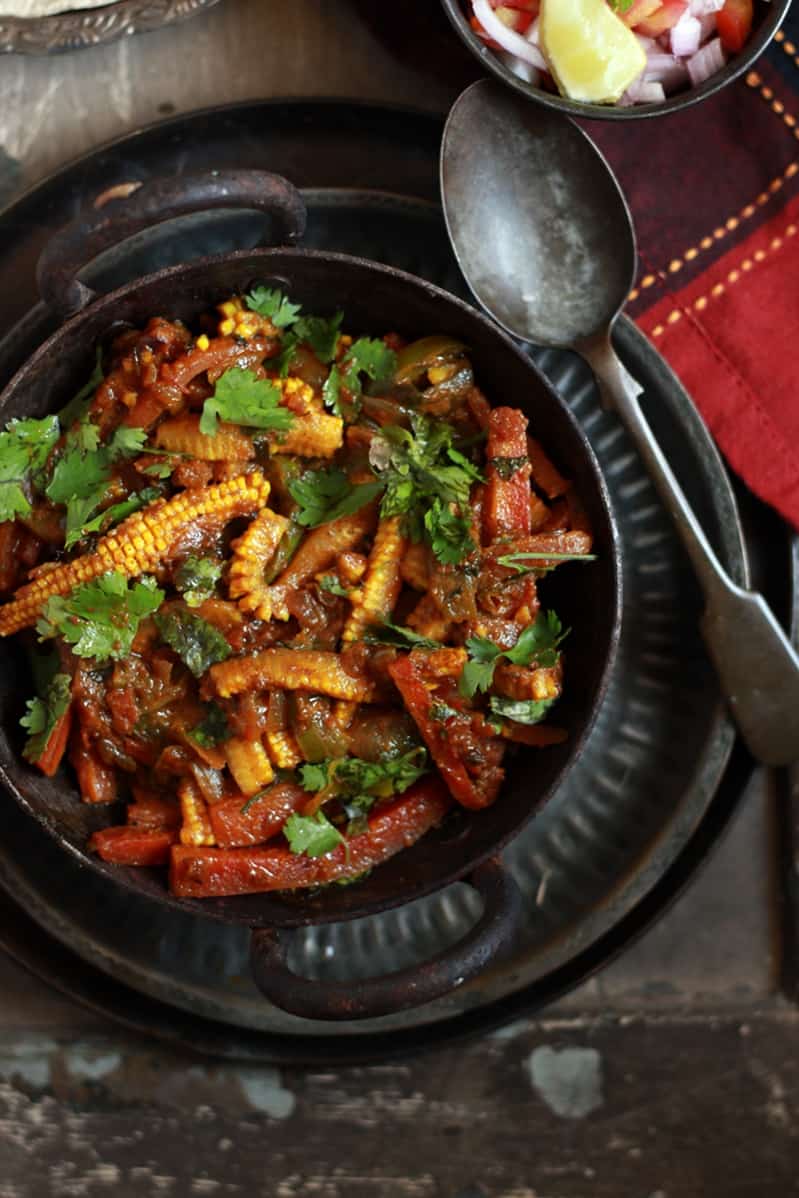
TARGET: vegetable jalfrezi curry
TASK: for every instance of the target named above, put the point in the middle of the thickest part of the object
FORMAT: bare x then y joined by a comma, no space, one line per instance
280,592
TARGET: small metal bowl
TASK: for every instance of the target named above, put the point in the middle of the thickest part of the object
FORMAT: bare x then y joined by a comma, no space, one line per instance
772,14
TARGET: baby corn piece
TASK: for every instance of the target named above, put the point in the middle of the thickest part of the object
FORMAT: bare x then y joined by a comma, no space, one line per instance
312,435
251,553
249,764
291,669
196,828
374,600
182,434
283,750
415,568
140,544
240,321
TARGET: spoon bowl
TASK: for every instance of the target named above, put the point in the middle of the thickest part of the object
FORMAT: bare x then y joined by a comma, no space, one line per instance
545,240
540,226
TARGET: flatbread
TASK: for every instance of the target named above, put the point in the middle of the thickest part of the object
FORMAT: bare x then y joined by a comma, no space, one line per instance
45,8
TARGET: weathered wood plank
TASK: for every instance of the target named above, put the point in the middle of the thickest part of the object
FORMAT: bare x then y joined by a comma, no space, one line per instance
557,1109
54,108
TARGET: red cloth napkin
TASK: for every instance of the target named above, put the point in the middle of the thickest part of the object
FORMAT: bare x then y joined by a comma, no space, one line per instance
714,193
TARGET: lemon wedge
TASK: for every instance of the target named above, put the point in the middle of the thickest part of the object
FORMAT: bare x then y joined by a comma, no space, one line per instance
592,54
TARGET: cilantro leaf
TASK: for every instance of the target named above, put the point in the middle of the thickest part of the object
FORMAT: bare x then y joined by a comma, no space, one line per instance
197,643
370,357
358,784
43,714
394,634
24,448
521,711
476,676
516,561
321,333
211,730
240,397
450,535
313,775
354,777
127,441
274,305
196,579
77,406
324,495
331,391
313,835
332,585
621,6
426,478
99,619
118,511
538,643
81,475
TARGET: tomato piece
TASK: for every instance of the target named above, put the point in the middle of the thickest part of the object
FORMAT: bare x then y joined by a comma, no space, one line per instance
133,846
515,18
639,11
52,753
445,737
202,872
238,821
734,23
663,19
506,504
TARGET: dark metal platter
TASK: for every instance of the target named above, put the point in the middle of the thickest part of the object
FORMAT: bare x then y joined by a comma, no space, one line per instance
636,815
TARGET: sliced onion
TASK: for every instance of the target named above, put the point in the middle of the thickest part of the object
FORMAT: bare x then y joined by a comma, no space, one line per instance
665,69
704,8
706,62
686,36
508,39
523,70
646,91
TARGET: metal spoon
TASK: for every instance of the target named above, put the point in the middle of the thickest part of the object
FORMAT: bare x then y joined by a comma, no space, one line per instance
544,238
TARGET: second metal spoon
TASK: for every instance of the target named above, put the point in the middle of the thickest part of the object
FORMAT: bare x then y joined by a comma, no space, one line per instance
544,238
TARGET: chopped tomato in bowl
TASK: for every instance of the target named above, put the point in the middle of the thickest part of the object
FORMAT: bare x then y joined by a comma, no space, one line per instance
616,58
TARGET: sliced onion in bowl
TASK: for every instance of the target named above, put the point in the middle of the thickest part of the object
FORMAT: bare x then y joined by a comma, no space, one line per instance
507,38
706,62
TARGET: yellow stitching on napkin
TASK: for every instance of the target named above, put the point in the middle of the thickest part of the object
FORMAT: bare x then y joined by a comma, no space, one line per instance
732,223
747,264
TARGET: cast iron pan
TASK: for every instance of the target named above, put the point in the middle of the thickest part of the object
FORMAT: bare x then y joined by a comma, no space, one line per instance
375,299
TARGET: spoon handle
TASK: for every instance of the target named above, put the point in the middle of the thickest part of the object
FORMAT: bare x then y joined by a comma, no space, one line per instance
755,662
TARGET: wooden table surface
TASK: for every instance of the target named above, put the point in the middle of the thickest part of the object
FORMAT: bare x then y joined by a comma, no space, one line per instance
631,1088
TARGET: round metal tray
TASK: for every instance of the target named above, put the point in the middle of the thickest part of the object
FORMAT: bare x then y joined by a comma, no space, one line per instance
607,850
78,28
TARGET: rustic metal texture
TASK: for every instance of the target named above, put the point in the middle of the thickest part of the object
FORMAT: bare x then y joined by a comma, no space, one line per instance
147,204
201,970
375,298
79,28
771,17
484,945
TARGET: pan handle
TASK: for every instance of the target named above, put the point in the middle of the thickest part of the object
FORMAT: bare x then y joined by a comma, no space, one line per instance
132,208
367,998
